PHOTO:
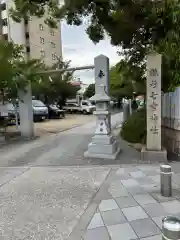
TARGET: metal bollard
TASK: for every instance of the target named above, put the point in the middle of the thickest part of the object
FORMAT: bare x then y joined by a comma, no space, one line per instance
166,180
170,228
126,112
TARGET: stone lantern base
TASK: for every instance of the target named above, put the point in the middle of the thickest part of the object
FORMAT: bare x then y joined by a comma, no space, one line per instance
103,146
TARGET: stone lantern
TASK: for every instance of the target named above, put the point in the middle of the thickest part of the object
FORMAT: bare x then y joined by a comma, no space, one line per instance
104,144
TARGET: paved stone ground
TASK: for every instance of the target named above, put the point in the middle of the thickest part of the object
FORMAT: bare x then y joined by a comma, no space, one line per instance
45,203
39,201
59,125
62,149
129,205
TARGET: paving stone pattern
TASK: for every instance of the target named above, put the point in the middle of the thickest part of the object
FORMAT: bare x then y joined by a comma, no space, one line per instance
136,208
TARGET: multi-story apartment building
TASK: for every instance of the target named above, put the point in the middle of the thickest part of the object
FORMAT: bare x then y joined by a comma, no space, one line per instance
40,41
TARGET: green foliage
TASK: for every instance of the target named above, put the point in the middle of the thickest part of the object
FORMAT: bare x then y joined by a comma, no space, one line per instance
134,129
9,53
136,26
126,80
116,82
90,91
16,72
25,8
170,48
56,87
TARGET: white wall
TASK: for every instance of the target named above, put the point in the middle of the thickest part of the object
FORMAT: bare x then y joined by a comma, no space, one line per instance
15,30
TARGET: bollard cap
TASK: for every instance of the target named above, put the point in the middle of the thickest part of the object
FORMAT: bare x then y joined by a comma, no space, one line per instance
171,227
165,168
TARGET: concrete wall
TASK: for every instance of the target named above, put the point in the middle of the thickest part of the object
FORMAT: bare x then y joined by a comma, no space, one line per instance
171,121
15,31
38,30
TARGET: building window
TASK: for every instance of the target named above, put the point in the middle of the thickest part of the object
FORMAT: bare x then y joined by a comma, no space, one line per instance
41,27
42,53
52,32
27,35
53,44
4,22
54,57
26,21
27,49
41,40
5,37
3,6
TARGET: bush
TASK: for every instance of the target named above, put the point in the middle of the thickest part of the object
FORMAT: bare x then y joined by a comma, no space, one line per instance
134,129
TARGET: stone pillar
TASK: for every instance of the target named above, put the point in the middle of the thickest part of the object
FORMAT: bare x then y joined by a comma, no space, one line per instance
104,144
26,113
153,150
101,64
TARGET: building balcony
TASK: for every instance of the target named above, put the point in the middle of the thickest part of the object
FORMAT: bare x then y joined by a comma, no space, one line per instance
5,30
4,14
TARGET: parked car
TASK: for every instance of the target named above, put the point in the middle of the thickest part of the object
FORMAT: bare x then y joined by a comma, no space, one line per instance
55,112
84,107
40,110
12,112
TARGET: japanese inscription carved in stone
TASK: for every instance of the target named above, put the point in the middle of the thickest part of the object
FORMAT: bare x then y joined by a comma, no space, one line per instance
154,102
101,74
153,84
153,72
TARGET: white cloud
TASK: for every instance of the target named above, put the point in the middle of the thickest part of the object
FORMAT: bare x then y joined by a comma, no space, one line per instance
81,51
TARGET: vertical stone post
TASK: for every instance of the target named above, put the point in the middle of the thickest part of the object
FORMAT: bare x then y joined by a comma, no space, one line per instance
154,102
101,64
26,113
153,151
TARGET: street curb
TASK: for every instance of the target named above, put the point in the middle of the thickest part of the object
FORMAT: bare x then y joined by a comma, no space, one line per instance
80,228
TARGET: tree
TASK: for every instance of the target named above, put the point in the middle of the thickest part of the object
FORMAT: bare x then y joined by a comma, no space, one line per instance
126,80
115,82
8,53
25,9
15,70
136,26
56,87
140,20
90,91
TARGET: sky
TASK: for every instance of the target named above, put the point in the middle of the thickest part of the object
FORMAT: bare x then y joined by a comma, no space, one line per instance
78,48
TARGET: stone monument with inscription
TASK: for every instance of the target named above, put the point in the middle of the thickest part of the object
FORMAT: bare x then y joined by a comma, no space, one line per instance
101,64
153,151
104,144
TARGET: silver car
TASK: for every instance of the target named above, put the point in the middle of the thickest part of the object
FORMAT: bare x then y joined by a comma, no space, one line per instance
40,111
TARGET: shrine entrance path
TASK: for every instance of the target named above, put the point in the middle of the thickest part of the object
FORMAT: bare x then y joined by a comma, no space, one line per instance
62,149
